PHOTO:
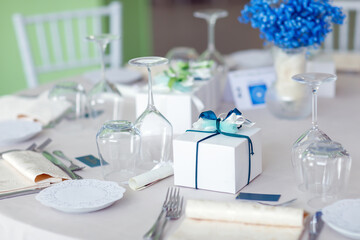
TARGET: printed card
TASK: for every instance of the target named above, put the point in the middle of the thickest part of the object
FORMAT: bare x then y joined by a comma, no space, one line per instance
90,160
249,86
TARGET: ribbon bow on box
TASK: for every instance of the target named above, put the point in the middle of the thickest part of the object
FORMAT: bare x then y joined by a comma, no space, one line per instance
208,122
229,126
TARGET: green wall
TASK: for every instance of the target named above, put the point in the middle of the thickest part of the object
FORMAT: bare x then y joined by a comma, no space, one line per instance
136,33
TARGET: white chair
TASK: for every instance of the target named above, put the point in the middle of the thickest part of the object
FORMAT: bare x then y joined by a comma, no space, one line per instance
348,32
60,40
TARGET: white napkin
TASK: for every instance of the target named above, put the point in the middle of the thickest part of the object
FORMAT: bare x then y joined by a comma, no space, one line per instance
40,109
238,220
151,177
22,170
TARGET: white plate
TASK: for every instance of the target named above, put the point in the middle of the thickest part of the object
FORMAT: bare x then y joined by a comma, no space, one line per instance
117,75
13,131
344,217
81,196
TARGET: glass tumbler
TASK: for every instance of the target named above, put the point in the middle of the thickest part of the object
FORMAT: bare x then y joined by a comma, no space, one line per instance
72,92
118,144
325,168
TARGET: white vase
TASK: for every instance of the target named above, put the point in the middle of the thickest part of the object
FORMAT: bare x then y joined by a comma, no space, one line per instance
286,98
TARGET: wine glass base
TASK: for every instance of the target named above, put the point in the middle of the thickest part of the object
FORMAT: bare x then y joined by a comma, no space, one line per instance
148,166
121,177
301,188
321,202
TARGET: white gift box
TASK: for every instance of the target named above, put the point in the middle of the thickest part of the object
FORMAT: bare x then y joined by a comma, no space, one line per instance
222,163
182,109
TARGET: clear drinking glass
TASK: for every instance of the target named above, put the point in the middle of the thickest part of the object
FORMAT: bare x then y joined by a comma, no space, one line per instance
211,54
104,98
314,134
72,92
326,167
156,131
118,143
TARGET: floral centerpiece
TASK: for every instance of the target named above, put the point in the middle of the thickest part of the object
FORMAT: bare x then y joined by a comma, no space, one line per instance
292,26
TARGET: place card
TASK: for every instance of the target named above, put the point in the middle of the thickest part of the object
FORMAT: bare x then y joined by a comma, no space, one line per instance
90,160
249,86
258,197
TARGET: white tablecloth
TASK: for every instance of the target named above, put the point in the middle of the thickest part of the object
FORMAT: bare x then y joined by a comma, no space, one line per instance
129,218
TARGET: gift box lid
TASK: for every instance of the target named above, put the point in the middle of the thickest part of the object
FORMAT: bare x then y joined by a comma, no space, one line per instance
218,139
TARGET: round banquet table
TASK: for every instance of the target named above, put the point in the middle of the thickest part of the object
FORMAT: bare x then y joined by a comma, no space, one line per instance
129,218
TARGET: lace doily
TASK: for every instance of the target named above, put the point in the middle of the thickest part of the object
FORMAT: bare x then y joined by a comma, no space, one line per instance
78,196
344,217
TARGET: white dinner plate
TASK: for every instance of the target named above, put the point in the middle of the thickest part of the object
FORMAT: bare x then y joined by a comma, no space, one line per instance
14,131
117,75
344,217
81,196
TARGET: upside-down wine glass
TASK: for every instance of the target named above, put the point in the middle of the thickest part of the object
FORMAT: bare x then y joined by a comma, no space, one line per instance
326,168
156,131
211,54
104,98
219,68
314,134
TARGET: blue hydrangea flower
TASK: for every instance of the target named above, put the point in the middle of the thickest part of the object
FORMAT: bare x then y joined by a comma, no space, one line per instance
292,23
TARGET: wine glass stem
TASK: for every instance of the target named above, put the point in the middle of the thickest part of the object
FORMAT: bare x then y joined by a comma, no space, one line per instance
150,94
211,34
102,47
314,107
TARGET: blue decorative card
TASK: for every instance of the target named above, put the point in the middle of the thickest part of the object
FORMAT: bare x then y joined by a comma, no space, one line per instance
258,197
90,160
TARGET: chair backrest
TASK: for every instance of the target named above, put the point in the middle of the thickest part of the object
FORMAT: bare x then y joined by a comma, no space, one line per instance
348,34
60,39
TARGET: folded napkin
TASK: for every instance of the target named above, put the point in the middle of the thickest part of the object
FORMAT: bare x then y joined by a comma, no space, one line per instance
239,220
22,170
151,177
40,109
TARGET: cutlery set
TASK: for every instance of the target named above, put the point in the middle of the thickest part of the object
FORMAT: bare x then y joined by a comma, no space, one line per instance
40,149
59,164
171,210
315,226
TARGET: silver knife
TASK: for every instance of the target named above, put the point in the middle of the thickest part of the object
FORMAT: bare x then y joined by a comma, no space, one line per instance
62,166
315,226
20,193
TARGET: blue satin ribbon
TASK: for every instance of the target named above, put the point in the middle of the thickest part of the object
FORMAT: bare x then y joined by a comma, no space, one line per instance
210,115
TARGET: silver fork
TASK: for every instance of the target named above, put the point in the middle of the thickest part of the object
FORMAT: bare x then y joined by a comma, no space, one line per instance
173,213
171,195
42,146
73,166
30,148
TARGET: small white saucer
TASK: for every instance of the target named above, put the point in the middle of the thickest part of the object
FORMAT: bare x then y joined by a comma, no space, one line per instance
344,217
81,196
14,131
